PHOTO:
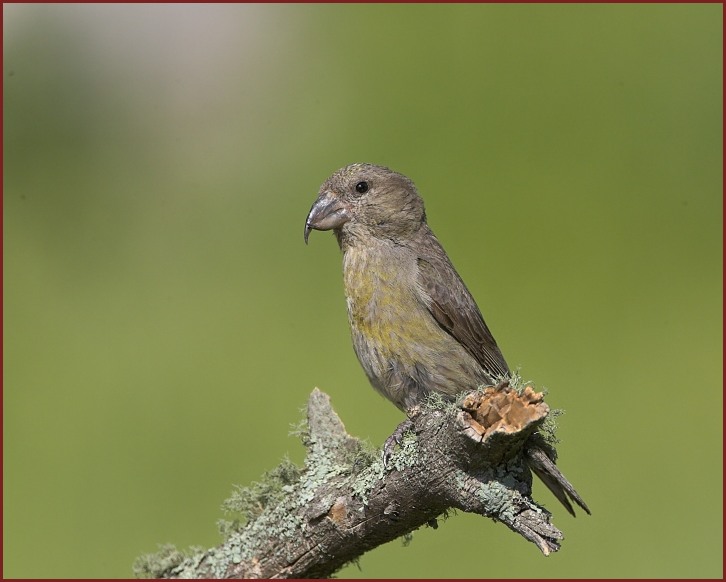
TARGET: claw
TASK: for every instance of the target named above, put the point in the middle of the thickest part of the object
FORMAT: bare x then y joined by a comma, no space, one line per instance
395,439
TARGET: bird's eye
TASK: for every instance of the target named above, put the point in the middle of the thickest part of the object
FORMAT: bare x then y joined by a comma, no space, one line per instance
361,187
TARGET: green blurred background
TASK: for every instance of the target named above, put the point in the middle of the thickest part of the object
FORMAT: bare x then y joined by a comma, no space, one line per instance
164,323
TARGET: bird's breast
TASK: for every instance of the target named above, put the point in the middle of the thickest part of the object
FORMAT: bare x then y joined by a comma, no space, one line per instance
403,350
383,297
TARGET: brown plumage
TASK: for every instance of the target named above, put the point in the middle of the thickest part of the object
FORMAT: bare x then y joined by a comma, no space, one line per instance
416,328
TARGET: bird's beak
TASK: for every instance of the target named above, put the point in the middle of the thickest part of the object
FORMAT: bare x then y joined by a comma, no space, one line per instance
328,212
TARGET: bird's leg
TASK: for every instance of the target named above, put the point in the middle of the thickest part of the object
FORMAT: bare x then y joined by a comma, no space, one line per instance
395,439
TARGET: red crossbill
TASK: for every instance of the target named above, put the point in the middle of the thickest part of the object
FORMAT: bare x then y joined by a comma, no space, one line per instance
416,329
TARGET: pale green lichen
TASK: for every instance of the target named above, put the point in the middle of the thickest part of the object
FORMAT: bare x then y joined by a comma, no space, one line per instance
301,430
436,401
364,457
407,453
495,494
364,482
248,502
497,500
519,384
163,562
549,426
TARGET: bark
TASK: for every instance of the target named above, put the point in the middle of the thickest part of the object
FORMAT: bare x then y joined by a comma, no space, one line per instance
474,456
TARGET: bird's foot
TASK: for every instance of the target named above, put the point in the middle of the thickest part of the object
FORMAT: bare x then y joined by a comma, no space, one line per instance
395,439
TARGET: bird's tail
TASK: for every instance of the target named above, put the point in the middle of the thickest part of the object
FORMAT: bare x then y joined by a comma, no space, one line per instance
544,467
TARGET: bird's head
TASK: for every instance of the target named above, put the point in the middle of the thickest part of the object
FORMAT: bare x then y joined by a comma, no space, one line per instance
364,200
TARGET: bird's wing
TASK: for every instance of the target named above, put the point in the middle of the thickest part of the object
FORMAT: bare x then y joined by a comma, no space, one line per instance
453,307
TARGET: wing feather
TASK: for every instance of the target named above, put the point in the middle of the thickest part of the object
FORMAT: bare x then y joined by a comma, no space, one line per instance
453,307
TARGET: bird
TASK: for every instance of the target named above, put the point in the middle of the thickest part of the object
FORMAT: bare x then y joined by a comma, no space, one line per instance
415,327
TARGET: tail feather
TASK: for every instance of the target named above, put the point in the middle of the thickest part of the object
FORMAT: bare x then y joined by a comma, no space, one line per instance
544,467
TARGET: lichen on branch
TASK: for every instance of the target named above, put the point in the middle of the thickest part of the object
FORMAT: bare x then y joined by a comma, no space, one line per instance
473,455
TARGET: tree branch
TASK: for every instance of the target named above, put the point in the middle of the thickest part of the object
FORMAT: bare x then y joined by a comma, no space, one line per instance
473,456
